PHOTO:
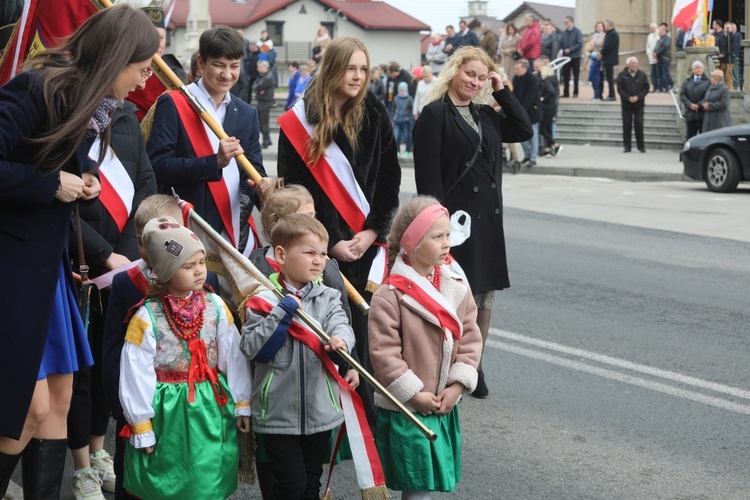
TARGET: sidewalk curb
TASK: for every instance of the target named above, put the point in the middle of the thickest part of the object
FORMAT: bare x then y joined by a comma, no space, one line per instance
619,175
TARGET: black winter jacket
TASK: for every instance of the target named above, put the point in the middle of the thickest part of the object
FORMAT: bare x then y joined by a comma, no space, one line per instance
101,235
526,90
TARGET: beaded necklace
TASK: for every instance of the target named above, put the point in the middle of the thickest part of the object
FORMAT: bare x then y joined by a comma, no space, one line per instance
185,330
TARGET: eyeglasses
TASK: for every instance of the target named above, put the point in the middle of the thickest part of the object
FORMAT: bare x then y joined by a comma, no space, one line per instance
167,225
145,73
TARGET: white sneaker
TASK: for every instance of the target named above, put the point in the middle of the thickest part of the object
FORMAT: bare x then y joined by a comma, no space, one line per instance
87,485
102,463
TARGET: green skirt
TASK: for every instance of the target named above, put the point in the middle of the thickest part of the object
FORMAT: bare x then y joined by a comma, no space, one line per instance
410,461
196,454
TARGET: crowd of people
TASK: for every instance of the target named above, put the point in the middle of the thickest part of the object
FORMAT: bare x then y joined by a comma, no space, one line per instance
87,191
182,373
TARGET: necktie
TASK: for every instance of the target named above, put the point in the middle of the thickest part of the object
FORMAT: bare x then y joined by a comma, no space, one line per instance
697,78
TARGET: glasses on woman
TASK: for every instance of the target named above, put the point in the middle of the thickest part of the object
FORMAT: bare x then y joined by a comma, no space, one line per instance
145,73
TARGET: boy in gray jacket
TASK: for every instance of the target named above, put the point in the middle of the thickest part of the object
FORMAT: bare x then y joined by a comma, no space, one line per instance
295,401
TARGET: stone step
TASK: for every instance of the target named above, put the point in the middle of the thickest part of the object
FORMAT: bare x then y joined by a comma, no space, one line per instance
606,125
616,141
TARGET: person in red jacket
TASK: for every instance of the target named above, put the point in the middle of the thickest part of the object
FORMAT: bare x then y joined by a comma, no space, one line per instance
530,44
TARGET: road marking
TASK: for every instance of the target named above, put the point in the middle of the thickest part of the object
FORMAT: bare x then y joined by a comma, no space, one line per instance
621,377
627,365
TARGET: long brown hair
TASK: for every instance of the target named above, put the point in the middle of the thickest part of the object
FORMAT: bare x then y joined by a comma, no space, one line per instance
320,104
81,71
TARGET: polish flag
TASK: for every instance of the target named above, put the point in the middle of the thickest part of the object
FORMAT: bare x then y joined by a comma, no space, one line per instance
685,13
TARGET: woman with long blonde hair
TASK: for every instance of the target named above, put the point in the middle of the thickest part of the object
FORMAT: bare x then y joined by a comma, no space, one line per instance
337,141
458,160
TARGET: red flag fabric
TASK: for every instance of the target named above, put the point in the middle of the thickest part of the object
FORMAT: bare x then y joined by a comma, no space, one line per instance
47,22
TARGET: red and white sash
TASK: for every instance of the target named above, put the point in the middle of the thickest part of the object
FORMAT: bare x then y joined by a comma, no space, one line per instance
404,278
364,453
226,191
335,176
117,186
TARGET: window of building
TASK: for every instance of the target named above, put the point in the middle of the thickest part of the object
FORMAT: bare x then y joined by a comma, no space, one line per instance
275,32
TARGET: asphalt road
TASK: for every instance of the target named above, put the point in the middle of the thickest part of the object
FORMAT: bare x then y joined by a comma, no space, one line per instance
617,361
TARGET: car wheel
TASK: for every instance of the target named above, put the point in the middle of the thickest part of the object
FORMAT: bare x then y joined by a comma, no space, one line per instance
722,171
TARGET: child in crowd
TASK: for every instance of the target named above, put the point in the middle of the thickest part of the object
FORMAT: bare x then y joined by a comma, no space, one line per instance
425,346
295,403
127,290
403,119
278,201
181,365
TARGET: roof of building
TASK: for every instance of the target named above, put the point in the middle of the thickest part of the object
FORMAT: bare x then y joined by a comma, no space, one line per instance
369,14
554,13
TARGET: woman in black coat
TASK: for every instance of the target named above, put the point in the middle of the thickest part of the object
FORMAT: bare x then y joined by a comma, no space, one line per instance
452,165
49,117
343,115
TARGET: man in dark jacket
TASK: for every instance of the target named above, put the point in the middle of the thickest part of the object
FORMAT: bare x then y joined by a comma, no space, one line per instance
726,61
663,58
396,75
263,88
692,92
549,42
632,85
571,43
526,89
466,37
610,58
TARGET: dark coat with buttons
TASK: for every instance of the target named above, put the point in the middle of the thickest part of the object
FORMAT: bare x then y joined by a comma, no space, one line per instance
444,144
33,241
693,93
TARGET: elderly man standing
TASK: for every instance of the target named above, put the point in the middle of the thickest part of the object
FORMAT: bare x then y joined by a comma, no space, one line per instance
571,43
530,44
651,42
663,58
692,92
632,85
489,41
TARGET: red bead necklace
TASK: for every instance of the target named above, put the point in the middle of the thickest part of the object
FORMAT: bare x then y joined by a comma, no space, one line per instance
435,280
186,330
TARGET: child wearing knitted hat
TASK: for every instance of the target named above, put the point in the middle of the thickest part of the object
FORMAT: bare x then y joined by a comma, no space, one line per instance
181,365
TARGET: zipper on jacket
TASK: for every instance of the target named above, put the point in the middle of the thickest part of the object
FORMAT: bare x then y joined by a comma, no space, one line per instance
301,388
331,394
264,395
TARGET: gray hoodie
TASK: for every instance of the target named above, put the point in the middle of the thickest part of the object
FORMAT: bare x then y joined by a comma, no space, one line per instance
293,393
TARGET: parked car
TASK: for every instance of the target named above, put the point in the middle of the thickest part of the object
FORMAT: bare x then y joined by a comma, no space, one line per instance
720,158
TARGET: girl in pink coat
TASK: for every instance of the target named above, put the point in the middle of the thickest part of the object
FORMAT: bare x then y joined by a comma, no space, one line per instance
425,346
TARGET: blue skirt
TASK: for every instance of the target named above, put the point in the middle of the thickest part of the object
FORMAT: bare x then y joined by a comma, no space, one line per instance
67,346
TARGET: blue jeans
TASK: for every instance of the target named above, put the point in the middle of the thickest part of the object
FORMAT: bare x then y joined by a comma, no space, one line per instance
595,75
402,131
531,147
655,76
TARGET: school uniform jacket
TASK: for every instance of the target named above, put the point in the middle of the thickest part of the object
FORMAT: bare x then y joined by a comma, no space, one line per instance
176,165
33,241
444,144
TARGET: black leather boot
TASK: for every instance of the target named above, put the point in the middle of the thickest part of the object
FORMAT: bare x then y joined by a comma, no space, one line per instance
7,466
43,465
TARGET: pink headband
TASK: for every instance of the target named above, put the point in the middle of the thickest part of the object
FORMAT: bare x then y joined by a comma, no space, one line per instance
420,225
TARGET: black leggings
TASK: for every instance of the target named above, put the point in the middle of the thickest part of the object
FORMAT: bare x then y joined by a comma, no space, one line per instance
297,463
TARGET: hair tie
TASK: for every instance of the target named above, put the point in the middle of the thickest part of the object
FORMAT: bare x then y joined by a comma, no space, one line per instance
420,225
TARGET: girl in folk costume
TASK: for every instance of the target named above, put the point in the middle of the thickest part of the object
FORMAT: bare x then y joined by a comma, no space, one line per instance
425,346
337,141
181,365
49,118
